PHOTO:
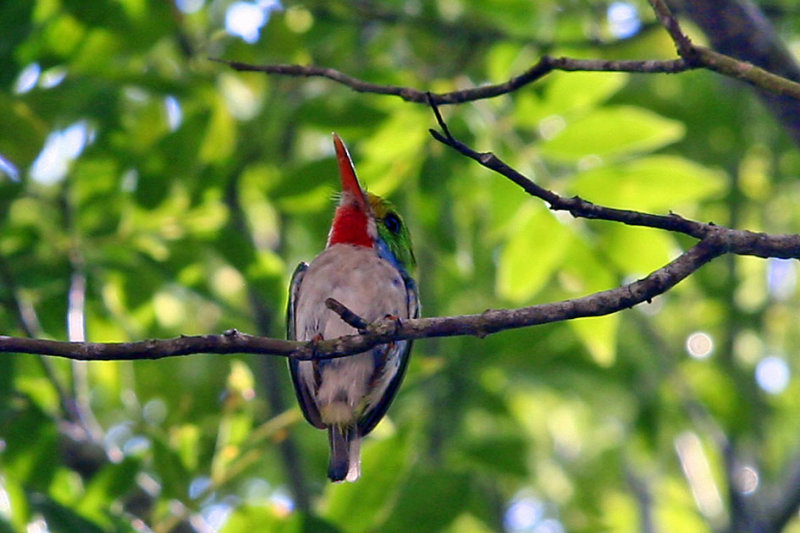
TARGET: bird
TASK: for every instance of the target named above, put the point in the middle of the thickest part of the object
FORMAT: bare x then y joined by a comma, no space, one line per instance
366,266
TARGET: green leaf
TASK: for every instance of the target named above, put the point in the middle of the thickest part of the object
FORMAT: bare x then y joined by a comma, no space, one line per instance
655,183
429,502
17,504
599,335
252,518
174,476
220,136
22,147
390,157
61,519
306,188
5,527
7,372
15,32
308,523
533,252
568,92
587,275
108,485
651,248
612,132
31,443
498,454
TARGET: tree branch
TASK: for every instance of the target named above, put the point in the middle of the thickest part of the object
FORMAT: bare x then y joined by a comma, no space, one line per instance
346,314
684,45
692,57
388,330
741,242
738,28
714,241
229,342
541,68
700,56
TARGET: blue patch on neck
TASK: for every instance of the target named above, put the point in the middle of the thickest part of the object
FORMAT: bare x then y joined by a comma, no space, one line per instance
385,253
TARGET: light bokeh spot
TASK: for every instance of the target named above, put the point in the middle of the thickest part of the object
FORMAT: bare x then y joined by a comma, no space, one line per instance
27,78
773,374
746,479
700,345
245,19
60,148
623,19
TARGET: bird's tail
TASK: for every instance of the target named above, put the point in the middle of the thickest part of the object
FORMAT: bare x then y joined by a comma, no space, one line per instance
345,463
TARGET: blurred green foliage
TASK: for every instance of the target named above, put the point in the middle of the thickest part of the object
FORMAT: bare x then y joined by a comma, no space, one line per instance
160,193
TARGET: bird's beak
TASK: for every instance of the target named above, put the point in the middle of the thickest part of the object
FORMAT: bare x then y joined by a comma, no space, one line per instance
351,189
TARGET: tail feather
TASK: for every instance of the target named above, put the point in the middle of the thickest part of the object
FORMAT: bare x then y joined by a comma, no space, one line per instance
345,462
354,471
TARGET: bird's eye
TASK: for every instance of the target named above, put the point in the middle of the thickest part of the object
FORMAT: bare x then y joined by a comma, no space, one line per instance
392,222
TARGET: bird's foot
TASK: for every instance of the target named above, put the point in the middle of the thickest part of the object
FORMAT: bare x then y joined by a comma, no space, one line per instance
395,320
310,351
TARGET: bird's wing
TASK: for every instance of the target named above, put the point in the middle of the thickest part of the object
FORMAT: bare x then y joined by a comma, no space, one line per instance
304,396
414,307
399,349
294,289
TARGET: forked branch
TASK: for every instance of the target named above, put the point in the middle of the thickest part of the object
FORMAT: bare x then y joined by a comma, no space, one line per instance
691,57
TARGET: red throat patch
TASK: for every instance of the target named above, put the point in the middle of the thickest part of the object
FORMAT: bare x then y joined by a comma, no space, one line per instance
349,227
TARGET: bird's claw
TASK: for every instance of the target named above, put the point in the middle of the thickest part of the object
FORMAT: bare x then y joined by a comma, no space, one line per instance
396,321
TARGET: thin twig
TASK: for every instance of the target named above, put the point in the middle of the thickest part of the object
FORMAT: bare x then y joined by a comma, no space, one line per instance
28,322
544,66
684,45
701,57
346,314
740,242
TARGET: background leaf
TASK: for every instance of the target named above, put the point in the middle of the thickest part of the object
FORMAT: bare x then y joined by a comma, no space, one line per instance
610,133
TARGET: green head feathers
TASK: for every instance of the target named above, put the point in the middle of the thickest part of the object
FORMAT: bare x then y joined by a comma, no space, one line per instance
392,230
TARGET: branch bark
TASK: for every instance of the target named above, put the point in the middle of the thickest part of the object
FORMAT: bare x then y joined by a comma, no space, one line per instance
541,68
739,29
714,241
388,330
741,242
691,57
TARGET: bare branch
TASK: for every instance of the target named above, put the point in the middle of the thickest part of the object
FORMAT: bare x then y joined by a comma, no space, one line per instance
346,314
747,72
388,330
740,242
229,342
714,241
540,69
692,57
740,29
700,56
684,45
